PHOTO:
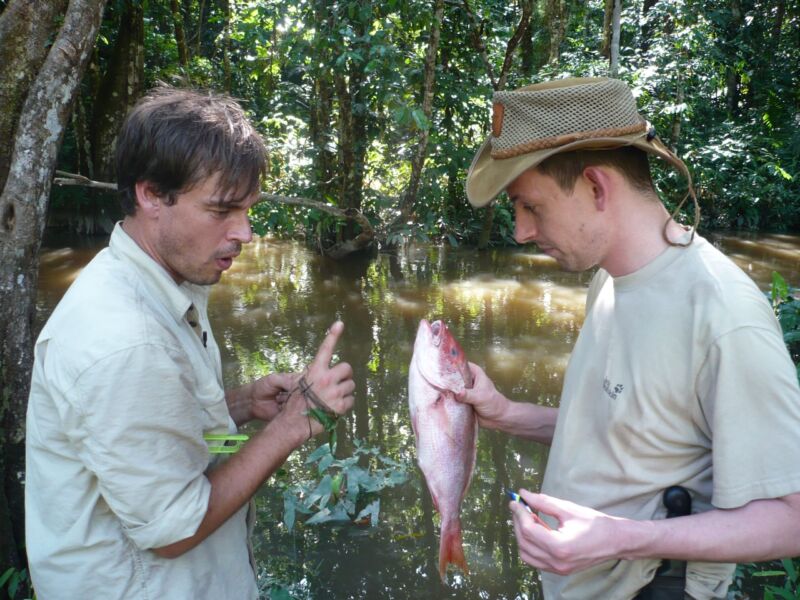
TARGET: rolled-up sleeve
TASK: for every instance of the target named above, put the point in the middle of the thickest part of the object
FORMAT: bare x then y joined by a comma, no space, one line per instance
137,428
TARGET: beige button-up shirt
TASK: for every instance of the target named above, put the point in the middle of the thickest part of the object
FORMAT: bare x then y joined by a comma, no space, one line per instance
123,390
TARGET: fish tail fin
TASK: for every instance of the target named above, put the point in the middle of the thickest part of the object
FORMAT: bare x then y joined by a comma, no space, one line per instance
451,550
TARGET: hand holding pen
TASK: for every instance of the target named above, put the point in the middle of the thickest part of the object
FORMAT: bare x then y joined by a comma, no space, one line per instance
517,498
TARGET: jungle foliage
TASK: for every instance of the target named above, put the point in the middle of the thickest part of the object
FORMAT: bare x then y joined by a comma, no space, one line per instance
338,89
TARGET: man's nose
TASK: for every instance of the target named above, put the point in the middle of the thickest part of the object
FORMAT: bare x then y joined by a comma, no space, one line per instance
241,230
524,228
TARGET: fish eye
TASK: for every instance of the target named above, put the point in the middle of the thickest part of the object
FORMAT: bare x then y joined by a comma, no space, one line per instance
453,352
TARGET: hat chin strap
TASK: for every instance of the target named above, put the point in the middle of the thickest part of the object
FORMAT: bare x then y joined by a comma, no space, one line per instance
695,224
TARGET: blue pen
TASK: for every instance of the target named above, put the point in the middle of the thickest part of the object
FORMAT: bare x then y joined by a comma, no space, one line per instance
517,498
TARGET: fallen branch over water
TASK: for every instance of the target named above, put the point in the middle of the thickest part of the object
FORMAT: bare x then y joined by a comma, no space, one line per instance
338,250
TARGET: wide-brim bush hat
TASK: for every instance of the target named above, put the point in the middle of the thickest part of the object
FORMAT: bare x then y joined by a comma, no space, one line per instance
537,121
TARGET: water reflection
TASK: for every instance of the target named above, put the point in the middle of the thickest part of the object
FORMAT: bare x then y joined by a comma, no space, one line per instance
513,312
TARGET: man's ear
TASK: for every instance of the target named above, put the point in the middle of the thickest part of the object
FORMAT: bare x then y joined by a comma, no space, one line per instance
148,200
601,183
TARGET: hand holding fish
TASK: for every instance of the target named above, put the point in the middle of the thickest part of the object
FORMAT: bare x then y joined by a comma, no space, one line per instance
330,387
495,411
489,404
585,537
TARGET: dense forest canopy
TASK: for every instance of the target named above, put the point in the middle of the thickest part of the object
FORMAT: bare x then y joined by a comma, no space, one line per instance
352,116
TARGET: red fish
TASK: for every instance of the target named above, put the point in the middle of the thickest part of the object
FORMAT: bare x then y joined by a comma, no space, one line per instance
446,430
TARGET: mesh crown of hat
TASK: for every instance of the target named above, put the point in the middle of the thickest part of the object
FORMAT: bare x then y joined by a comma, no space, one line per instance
550,117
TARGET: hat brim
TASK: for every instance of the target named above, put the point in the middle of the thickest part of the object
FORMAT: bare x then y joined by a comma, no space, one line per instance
487,176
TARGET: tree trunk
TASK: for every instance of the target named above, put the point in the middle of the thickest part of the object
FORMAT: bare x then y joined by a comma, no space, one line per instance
675,133
353,111
197,37
321,105
732,76
646,31
555,18
121,85
180,36
608,17
23,207
498,84
615,33
526,50
777,24
25,28
429,80
763,73
226,46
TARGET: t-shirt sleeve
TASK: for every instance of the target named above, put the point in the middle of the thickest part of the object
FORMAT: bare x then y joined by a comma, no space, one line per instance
750,397
138,429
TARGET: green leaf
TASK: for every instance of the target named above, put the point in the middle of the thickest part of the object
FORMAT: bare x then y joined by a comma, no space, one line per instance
780,291
322,493
317,454
324,463
372,511
336,484
322,516
289,503
420,119
791,570
780,592
6,576
328,422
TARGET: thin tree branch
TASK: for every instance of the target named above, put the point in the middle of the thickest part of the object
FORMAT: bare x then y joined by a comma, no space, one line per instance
65,178
479,46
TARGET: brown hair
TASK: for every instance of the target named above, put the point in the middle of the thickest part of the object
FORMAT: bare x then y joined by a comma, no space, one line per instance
633,163
176,138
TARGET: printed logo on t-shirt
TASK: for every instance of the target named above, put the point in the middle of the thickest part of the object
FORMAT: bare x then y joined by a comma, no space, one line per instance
612,392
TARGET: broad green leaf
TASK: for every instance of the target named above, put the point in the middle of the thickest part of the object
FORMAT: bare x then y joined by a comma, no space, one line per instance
779,288
322,516
289,502
324,463
317,454
372,511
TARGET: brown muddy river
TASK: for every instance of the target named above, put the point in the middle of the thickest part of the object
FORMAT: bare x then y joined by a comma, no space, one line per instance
514,313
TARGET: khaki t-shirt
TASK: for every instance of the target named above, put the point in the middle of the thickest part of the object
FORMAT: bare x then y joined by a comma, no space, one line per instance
676,362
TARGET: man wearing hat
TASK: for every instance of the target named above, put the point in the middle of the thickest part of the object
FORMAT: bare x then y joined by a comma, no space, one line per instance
680,376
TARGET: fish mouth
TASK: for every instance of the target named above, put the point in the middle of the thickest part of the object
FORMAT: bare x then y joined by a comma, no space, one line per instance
437,328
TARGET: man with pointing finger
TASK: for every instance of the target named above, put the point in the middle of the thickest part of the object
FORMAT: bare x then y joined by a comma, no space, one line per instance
123,497
679,377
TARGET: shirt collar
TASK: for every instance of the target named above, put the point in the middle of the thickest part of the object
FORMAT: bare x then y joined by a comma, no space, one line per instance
177,298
